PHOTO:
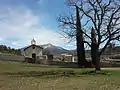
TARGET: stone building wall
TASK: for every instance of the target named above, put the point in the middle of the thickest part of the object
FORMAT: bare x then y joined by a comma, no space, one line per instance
28,52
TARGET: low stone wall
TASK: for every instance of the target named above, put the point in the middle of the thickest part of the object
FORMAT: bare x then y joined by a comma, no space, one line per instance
106,64
65,64
110,64
74,64
7,57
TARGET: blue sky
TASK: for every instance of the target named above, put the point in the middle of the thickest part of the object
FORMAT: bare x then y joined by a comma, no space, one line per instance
23,20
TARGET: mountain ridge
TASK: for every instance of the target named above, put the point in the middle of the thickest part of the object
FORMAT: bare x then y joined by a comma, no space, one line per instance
51,49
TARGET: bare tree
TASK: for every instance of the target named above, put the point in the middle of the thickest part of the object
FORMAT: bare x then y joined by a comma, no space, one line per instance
71,26
103,16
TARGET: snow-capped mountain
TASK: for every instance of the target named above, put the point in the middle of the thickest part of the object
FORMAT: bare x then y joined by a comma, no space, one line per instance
54,49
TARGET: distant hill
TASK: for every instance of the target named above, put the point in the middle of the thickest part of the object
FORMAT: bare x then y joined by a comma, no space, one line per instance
9,50
115,50
49,48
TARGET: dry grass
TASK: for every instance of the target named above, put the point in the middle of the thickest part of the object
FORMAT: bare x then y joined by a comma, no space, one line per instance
80,82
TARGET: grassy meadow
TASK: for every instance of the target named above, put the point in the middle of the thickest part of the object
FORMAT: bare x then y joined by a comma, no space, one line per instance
25,76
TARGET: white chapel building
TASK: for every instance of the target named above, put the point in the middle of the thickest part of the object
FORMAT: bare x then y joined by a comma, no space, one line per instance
33,51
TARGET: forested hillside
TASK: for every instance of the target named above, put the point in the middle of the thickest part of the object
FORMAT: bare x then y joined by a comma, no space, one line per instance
9,50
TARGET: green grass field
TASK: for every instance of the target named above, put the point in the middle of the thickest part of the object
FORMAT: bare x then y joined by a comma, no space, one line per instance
25,76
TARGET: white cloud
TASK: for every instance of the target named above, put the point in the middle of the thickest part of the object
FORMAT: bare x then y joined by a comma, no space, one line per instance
22,25
15,43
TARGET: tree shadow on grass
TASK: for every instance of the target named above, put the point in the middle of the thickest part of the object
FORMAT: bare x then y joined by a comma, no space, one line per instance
95,73
52,66
39,73
68,73
41,66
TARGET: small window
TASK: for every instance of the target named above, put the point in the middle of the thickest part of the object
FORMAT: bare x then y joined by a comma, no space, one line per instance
33,47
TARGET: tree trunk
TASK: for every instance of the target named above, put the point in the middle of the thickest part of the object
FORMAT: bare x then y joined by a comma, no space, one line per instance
81,56
97,66
93,53
80,42
93,47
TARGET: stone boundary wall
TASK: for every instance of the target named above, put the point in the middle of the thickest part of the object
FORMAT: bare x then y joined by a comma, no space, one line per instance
74,64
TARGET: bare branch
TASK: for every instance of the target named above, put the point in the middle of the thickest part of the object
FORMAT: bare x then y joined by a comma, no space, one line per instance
87,43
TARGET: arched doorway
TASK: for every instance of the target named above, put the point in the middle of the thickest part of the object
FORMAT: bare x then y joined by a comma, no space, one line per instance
33,57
